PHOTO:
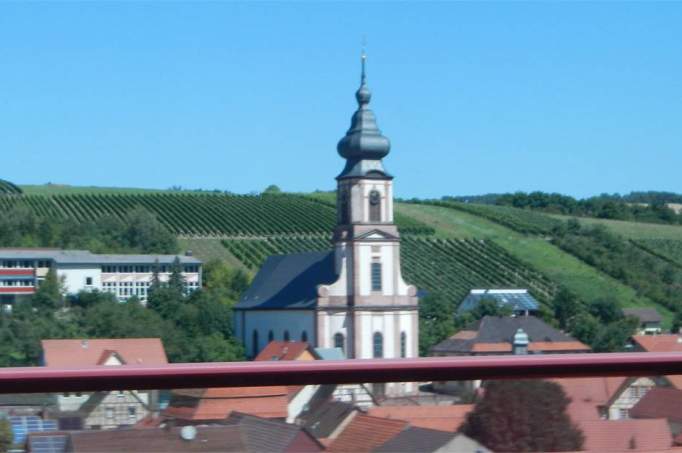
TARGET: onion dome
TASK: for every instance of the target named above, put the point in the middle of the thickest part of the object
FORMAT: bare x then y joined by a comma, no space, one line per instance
363,146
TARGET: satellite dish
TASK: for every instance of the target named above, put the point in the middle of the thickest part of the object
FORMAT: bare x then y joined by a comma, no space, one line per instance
188,433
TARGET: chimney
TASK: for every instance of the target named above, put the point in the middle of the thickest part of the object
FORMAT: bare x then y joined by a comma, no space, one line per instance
188,253
520,342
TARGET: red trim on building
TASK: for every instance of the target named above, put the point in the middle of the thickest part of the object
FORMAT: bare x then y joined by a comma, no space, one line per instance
248,374
17,289
29,272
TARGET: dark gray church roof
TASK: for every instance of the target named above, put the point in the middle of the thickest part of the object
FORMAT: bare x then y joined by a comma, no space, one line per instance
289,281
363,146
517,300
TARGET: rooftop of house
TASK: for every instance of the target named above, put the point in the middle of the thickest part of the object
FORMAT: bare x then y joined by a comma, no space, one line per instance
218,403
494,334
648,315
285,350
659,343
588,394
660,402
289,281
365,433
91,352
516,299
86,257
626,435
446,418
322,421
428,440
240,432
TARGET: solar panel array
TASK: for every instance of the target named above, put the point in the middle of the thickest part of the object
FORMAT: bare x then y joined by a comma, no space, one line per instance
48,444
22,425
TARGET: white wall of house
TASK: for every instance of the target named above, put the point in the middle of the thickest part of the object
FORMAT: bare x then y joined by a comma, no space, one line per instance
75,277
629,397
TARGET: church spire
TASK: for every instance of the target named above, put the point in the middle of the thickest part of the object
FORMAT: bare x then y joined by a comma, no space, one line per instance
363,146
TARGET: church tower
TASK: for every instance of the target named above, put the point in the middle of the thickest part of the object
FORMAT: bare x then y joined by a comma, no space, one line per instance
369,311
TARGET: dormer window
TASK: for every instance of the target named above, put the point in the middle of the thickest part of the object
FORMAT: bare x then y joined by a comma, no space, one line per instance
374,206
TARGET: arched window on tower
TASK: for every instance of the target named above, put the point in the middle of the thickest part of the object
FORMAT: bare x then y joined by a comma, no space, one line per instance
378,343
343,206
403,344
255,343
271,336
304,336
287,337
340,341
374,206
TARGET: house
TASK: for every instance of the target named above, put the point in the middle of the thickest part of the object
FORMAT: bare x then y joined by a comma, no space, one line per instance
664,403
519,301
197,406
22,271
104,410
299,396
352,297
660,343
326,421
27,404
364,433
446,418
424,440
239,433
626,435
649,320
493,335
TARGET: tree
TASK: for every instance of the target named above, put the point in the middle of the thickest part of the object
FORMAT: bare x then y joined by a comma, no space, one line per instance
176,282
272,189
50,293
6,436
606,310
566,306
677,322
436,321
525,415
144,233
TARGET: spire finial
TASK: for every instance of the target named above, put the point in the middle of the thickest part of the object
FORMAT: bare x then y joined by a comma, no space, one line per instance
363,57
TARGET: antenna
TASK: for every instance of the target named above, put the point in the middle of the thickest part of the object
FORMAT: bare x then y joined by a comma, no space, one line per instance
363,57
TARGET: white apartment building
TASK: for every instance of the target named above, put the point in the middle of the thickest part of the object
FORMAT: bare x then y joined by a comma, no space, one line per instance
22,270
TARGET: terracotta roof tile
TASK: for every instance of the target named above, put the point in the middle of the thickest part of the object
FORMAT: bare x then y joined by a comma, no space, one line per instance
491,347
86,352
364,433
442,418
659,343
557,346
587,394
660,403
626,435
219,403
282,350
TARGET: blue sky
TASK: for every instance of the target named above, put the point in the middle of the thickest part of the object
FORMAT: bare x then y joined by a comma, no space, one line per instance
579,98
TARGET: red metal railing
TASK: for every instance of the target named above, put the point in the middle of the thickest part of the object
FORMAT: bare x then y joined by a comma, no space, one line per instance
244,374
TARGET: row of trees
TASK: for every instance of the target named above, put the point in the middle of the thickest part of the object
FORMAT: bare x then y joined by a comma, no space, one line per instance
642,207
138,232
193,328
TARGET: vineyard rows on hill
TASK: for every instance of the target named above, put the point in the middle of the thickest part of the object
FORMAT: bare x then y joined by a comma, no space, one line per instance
521,220
448,266
202,214
7,188
668,249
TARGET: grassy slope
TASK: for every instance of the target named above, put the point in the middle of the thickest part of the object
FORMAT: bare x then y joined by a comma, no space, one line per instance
586,281
634,230
207,249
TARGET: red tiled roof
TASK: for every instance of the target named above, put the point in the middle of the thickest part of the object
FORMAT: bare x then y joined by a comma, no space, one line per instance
85,352
282,350
532,346
442,418
219,403
364,433
626,435
587,394
660,403
659,343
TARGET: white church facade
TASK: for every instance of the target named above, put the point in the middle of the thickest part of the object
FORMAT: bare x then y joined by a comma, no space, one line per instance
352,297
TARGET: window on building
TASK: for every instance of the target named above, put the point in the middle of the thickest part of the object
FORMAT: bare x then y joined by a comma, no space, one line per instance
343,207
109,411
403,344
287,337
624,413
304,336
88,281
378,343
340,341
132,411
271,336
255,342
374,206
376,276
